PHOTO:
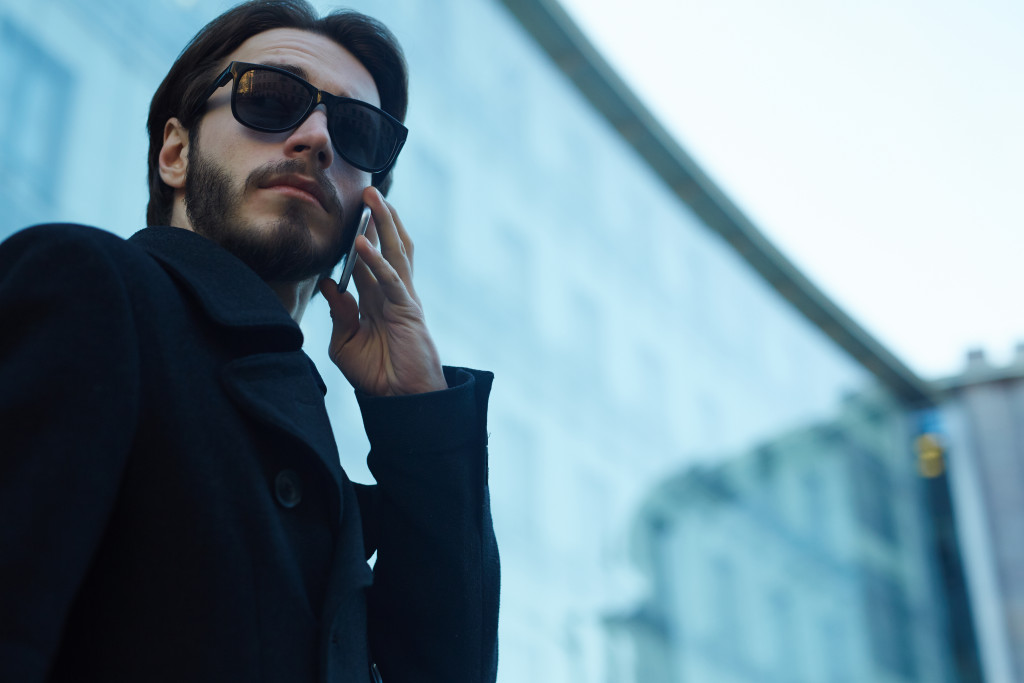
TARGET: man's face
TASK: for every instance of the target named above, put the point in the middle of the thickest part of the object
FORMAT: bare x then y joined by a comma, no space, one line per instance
279,201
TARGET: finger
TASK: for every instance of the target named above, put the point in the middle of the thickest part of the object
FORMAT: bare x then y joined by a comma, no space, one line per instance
403,234
391,245
371,232
344,313
390,283
366,286
407,244
405,265
372,199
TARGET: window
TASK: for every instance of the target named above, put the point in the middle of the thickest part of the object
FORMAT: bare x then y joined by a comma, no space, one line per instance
889,629
872,494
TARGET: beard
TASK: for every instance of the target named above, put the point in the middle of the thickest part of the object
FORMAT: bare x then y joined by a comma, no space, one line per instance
283,251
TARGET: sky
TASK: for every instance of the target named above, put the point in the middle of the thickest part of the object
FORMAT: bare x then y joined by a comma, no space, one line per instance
879,144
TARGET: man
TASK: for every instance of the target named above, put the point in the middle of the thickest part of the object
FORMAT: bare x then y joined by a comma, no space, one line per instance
172,504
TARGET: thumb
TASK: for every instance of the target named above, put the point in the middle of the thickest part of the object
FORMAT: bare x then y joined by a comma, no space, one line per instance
344,314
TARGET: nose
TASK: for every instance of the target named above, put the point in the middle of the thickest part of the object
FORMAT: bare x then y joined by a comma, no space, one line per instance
312,139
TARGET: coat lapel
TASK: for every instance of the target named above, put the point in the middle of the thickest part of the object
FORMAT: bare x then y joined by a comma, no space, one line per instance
279,388
271,379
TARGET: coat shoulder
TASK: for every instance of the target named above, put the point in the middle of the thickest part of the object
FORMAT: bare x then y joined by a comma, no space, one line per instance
82,259
70,237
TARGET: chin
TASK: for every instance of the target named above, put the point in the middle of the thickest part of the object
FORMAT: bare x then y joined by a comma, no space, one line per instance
289,248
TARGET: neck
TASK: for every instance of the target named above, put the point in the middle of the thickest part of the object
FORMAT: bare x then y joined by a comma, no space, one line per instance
294,296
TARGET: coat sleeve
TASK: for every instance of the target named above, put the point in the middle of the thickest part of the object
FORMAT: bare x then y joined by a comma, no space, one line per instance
433,606
68,381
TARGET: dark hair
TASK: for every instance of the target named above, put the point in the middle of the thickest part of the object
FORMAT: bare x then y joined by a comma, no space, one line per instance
367,39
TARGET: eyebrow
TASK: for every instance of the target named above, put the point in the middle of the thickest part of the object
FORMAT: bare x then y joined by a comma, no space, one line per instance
290,68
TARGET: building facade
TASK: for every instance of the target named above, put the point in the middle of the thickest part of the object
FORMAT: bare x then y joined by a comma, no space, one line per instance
700,469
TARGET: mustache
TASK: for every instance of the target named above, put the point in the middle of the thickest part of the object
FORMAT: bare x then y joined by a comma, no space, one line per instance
267,172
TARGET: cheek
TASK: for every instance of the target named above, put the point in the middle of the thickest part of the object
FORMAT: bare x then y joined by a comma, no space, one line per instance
218,150
349,183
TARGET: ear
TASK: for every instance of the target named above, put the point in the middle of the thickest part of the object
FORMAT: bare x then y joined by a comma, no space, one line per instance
173,156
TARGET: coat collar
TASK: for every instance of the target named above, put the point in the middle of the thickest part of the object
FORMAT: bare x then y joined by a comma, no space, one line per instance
228,290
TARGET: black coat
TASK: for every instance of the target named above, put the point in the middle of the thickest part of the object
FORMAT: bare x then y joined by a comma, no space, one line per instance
172,506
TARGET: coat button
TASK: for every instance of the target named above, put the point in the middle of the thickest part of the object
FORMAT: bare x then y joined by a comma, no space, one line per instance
288,488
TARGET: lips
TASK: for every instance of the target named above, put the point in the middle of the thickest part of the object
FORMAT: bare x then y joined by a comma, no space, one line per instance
306,188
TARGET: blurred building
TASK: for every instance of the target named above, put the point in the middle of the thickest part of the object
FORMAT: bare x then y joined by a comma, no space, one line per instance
807,558
701,468
983,410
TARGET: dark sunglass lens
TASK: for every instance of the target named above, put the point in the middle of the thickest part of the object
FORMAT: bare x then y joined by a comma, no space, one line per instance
362,135
270,100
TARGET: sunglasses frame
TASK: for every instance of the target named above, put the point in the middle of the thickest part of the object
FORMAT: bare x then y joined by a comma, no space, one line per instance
234,72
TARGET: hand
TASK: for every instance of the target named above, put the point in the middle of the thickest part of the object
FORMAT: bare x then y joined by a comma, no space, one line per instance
381,344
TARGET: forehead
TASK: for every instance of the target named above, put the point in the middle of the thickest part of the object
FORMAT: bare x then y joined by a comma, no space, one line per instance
326,64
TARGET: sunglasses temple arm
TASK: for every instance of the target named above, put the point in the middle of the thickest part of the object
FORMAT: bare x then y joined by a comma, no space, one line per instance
221,80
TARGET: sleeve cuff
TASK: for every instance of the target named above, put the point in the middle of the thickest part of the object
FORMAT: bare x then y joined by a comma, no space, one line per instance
439,420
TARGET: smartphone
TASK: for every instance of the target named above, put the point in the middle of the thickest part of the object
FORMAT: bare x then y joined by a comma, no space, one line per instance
348,263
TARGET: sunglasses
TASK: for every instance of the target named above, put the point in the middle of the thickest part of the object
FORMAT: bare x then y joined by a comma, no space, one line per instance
273,100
